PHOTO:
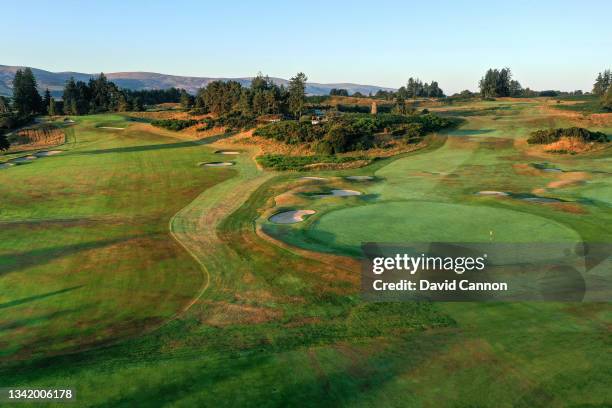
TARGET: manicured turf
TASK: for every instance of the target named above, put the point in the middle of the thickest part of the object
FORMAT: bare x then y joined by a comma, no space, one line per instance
85,253
423,221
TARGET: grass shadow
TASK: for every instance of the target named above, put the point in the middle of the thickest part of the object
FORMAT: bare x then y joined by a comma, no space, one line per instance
28,299
143,148
21,260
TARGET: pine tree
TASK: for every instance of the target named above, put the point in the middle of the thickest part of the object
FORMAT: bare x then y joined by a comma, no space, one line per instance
46,101
52,109
297,94
70,95
26,99
122,103
602,82
400,104
606,101
4,105
186,100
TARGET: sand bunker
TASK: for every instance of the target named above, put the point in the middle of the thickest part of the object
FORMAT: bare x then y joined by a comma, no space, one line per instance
6,165
359,178
541,200
548,168
217,164
25,159
48,153
226,152
312,178
340,193
110,127
290,217
491,193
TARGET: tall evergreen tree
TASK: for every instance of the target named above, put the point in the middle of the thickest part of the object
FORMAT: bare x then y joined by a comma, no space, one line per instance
46,101
297,94
602,82
5,106
26,99
186,100
606,101
496,83
52,110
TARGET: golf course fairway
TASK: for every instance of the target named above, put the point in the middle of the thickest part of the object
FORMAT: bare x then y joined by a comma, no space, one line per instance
139,278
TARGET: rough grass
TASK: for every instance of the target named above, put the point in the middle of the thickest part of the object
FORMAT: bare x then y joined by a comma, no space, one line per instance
283,162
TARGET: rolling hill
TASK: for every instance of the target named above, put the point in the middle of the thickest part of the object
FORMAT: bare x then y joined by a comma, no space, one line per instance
150,80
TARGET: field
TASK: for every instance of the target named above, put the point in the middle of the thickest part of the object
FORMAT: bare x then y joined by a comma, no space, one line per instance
139,278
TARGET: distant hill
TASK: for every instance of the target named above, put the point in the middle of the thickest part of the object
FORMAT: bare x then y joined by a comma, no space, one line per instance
149,80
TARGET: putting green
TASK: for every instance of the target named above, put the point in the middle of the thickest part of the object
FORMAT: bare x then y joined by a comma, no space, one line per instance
423,221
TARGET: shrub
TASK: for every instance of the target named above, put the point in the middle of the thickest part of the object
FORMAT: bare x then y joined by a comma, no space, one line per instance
175,124
352,131
282,162
236,120
547,136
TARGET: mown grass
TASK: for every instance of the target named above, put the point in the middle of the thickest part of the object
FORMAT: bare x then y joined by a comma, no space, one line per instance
94,220
277,329
584,104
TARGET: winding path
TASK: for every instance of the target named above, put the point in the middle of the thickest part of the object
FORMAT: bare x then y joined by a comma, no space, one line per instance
195,226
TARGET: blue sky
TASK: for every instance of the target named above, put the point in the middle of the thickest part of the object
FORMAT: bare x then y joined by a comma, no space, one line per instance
547,44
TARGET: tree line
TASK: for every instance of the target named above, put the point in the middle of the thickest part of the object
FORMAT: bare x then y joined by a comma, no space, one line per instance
499,83
261,98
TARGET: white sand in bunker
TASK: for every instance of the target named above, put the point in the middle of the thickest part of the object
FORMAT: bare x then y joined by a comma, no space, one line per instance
110,127
217,164
291,217
491,193
48,153
231,152
312,178
340,193
359,178
25,159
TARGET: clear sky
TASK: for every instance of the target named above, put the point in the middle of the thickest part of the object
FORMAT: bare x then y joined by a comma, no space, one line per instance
547,44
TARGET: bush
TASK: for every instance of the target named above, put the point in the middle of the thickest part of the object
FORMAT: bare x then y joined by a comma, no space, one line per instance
208,124
352,131
175,124
282,162
236,120
547,136
292,132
